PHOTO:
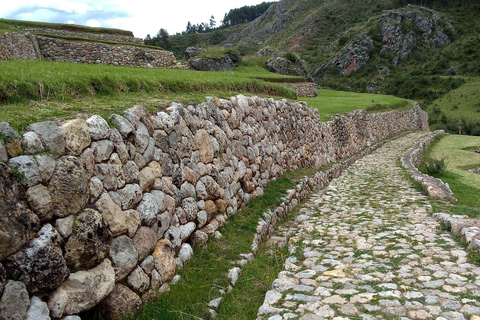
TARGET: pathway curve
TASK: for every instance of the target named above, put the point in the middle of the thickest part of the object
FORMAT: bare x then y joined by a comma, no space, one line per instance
367,248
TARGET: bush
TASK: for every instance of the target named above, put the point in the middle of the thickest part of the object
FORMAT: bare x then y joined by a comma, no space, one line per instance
433,166
452,71
291,56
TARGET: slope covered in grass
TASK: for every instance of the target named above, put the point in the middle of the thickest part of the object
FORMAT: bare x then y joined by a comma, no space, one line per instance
33,91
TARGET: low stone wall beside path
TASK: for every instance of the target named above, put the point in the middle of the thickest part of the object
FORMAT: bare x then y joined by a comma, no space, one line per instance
99,212
412,159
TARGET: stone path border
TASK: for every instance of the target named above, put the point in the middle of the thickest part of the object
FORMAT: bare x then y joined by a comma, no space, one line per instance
412,159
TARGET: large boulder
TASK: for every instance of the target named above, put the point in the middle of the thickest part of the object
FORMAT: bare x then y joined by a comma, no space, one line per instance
69,186
40,265
82,290
222,63
90,240
18,224
291,67
191,52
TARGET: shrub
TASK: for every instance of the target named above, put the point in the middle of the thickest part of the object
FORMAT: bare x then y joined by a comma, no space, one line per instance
433,166
291,56
452,71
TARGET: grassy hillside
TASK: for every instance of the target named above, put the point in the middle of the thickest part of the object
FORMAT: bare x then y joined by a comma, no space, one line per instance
320,30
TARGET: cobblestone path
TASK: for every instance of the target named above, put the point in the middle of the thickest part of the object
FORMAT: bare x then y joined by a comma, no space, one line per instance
367,248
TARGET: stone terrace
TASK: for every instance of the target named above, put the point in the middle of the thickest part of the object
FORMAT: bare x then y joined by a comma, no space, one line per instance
367,248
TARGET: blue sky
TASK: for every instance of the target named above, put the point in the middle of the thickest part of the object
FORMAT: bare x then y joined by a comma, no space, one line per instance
141,16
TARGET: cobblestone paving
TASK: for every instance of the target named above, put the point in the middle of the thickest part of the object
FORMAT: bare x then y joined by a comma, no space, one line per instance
367,248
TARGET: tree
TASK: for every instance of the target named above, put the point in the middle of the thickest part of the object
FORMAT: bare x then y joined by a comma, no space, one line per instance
212,22
189,27
162,37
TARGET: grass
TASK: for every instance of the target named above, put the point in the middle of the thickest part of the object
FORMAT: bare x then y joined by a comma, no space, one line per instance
331,102
203,278
465,185
461,102
33,91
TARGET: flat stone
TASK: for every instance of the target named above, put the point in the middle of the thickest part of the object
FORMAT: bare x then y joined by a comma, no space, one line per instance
38,310
336,299
69,186
112,214
164,258
50,134
82,290
40,201
15,301
145,240
124,256
138,280
77,136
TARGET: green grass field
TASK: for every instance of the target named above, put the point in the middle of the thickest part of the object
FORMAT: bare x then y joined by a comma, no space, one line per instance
464,184
331,102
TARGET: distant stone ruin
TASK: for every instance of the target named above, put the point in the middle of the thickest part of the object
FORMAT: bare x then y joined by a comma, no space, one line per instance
82,47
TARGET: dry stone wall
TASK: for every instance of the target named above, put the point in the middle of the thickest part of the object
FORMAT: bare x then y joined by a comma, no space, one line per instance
28,46
17,46
413,158
100,53
87,35
105,214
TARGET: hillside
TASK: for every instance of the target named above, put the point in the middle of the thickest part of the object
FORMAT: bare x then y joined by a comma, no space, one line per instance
379,46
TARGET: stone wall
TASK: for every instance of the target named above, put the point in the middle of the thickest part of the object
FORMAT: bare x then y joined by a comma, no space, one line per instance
27,46
100,53
412,159
94,213
88,35
17,46
305,89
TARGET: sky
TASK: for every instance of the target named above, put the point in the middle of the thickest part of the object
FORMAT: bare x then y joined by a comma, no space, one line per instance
142,17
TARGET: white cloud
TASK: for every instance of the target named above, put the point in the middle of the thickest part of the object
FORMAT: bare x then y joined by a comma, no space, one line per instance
94,23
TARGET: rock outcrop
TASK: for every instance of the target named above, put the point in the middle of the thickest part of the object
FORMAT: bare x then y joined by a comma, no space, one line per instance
402,32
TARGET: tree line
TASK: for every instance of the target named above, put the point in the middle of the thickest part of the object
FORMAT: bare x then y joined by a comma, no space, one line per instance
244,14
232,18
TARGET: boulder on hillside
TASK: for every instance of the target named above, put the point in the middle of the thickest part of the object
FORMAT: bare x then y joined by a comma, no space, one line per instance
224,62
191,52
213,64
289,66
